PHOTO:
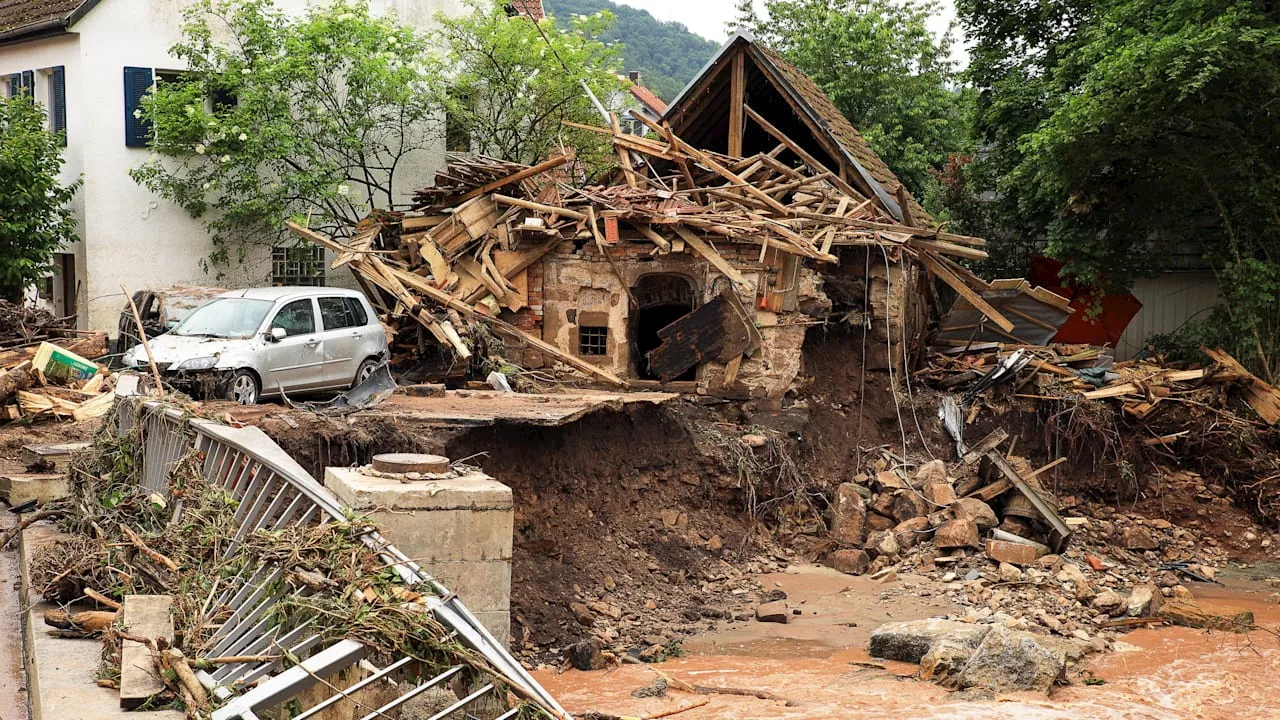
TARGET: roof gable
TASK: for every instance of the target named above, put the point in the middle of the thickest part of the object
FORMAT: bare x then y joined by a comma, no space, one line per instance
22,19
790,100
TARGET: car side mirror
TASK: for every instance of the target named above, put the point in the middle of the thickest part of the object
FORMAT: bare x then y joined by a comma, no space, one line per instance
277,334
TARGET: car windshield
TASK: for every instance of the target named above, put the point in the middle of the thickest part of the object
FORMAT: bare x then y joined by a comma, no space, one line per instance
225,318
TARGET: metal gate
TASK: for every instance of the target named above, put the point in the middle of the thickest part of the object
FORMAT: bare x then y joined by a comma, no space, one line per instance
274,491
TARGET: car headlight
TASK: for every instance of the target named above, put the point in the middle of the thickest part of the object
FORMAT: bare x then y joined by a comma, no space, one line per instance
200,363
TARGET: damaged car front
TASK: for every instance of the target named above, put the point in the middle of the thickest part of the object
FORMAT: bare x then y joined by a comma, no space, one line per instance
212,349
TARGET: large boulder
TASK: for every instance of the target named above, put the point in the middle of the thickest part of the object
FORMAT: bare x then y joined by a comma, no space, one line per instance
909,504
911,532
1143,601
848,561
930,473
848,515
1009,660
956,534
944,661
882,543
1140,538
974,509
910,641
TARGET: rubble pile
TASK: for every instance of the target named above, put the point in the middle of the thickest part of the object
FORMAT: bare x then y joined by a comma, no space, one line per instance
461,258
56,379
975,536
1215,417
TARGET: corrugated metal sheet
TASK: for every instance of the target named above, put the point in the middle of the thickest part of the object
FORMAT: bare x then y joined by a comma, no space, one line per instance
1168,302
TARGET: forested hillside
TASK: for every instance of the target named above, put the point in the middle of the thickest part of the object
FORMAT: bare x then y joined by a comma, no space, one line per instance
667,54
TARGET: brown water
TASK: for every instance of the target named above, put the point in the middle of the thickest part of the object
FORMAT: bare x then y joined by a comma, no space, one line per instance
1160,674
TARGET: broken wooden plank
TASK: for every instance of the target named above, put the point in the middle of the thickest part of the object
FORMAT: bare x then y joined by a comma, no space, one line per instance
1059,531
937,268
147,617
525,174
1262,397
716,259
713,332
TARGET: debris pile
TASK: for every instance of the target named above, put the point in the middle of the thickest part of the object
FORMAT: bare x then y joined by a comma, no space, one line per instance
56,379
1134,413
25,325
127,551
472,249
990,537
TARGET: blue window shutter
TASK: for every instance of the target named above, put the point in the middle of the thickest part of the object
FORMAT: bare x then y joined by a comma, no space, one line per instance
29,82
137,83
58,101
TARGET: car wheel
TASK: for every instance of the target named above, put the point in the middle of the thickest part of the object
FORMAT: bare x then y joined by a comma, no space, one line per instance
243,388
366,369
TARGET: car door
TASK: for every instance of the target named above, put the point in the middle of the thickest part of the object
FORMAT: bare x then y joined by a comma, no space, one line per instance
371,337
340,339
296,361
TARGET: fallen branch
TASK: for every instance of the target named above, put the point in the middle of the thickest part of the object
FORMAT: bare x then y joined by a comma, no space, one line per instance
146,550
28,522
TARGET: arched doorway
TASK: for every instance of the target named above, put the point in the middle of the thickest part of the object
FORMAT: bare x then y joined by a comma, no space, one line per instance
663,298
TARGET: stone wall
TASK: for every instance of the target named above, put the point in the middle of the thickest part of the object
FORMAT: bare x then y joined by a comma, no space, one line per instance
576,286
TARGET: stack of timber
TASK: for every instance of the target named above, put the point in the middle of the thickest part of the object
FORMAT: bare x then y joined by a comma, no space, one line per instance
47,380
458,257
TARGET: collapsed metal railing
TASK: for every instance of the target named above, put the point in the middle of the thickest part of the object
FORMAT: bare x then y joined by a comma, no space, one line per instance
274,491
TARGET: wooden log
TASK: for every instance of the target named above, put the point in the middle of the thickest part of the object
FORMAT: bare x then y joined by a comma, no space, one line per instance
93,621
19,378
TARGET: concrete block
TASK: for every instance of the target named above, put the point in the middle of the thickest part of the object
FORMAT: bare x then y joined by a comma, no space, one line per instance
473,491
146,616
43,488
56,456
498,623
482,586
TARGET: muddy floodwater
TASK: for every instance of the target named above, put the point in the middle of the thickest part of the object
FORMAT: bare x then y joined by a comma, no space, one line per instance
818,668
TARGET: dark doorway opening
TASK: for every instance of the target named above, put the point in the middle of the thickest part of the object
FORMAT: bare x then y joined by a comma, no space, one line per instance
663,299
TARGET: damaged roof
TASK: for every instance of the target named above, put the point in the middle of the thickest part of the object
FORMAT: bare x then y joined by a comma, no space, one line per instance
701,113
25,19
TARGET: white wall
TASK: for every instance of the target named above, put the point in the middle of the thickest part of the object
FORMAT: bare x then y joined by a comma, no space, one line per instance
129,236
1168,302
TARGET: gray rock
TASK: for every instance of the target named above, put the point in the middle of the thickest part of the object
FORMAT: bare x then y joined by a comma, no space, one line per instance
1143,601
910,641
944,661
1010,660
774,612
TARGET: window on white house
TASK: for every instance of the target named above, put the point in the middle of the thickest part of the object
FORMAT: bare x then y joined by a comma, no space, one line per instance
298,265
138,81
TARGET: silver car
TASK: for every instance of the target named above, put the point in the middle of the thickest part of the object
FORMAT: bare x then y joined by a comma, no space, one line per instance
248,344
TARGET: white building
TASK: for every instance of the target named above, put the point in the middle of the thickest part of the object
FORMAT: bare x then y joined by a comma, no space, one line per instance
88,62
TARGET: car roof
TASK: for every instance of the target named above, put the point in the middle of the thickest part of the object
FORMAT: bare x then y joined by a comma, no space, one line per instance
281,293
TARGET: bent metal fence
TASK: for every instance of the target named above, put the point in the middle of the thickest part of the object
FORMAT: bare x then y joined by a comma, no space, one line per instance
274,491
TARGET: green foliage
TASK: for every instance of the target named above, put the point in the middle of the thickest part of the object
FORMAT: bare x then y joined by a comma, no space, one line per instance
884,70
512,89
36,217
327,106
667,54
1119,130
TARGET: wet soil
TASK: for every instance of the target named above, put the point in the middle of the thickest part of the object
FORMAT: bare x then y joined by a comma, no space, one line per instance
818,662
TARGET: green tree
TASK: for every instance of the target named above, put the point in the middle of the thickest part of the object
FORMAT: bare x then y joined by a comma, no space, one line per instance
36,217
666,54
319,115
882,68
1119,130
514,82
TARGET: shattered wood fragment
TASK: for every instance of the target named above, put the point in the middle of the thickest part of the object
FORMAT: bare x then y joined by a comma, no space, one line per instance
713,332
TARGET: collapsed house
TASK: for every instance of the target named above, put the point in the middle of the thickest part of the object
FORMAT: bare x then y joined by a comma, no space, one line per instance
751,212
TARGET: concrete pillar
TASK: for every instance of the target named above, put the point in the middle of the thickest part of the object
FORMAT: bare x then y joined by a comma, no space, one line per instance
456,526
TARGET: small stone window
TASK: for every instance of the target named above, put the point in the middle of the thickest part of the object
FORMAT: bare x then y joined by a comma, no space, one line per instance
593,340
